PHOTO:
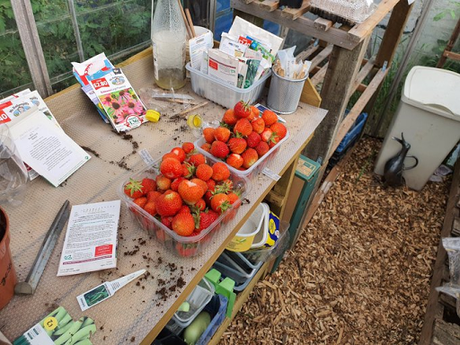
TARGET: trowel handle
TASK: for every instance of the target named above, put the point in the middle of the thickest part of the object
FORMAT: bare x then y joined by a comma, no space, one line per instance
416,163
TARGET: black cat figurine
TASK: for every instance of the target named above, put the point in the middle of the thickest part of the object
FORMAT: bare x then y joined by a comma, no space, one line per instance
394,167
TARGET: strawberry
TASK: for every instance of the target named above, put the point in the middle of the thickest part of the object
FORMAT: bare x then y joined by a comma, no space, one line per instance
242,127
152,196
183,224
204,172
258,125
140,201
221,171
224,186
237,145
188,147
180,153
148,185
169,203
185,209
220,203
229,117
166,221
253,139
187,249
262,148
214,215
205,220
133,189
279,129
188,170
211,184
233,198
206,147
200,183
219,149
242,109
190,192
175,184
250,156
269,117
171,168
151,208
266,135
274,140
255,113
197,159
208,134
235,160
222,134
207,197
169,155
163,183
201,204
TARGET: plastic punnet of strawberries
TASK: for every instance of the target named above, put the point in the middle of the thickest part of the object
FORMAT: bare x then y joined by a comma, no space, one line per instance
244,136
187,195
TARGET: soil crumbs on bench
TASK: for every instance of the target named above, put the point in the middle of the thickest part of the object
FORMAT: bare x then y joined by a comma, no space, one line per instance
360,272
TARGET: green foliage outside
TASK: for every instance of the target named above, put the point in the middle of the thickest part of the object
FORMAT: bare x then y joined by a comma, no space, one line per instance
110,26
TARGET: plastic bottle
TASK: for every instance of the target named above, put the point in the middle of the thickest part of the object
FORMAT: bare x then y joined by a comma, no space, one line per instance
168,40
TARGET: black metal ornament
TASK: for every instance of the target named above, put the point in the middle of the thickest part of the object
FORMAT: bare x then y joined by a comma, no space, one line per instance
394,167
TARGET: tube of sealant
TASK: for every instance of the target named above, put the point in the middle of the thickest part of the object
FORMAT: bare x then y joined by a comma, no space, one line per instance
106,290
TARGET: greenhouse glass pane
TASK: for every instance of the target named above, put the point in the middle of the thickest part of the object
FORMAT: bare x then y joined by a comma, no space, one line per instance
14,71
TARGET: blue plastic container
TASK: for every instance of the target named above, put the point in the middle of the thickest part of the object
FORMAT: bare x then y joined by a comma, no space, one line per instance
216,308
352,134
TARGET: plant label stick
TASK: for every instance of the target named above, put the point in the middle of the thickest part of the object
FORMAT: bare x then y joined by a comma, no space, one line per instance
106,290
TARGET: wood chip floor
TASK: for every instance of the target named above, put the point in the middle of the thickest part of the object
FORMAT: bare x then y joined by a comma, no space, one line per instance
360,272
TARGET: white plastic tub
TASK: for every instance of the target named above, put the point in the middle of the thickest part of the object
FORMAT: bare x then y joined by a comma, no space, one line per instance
224,94
429,117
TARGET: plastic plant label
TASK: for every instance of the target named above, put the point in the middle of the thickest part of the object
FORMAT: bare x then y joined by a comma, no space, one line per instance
271,174
146,157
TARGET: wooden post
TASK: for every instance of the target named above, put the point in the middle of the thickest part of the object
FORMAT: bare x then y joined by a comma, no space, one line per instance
338,85
386,53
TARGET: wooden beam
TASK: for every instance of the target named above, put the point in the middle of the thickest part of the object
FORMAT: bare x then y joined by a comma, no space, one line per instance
294,13
302,25
268,5
432,305
323,24
452,56
449,46
323,55
319,76
359,31
337,86
304,55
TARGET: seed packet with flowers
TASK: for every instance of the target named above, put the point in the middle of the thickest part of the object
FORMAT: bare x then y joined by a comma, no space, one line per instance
121,104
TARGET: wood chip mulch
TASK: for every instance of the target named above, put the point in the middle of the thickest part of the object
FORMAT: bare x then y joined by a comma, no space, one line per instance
360,272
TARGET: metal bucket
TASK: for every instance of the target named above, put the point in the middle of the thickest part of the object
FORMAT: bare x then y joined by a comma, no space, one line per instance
284,93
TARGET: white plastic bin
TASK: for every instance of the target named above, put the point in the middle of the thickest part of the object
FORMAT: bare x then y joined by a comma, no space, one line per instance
429,117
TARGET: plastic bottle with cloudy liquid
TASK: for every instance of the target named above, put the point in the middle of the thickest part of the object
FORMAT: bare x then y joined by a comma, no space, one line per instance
168,40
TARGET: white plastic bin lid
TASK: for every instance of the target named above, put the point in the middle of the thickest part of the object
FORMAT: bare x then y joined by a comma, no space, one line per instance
433,89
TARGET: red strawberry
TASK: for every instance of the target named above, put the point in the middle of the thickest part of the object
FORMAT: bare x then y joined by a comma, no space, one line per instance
211,184
229,117
242,109
163,183
262,148
169,155
151,208
205,220
166,221
200,183
188,147
179,152
266,135
274,140
214,215
152,196
208,134
133,189
233,198
201,204
224,186
250,156
235,160
269,117
258,125
148,185
221,171
187,249
206,147
242,127
255,112
279,129
220,203
175,184
140,201
185,209
188,170
237,145
204,172
253,139
219,149
197,159
171,168
190,192
222,134
168,204
183,224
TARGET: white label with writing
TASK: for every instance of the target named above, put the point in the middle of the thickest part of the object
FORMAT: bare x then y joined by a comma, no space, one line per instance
271,174
146,157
